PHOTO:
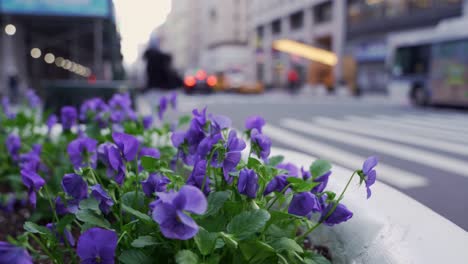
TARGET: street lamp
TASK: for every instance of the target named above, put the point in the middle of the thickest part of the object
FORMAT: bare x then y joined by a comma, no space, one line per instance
10,29
36,53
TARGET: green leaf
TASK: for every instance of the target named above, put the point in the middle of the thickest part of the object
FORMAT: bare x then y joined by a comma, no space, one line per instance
319,167
275,160
64,221
144,241
133,199
316,259
35,228
134,256
186,257
205,241
286,244
246,224
151,164
90,204
256,251
229,240
216,201
92,218
300,185
254,163
136,213
183,120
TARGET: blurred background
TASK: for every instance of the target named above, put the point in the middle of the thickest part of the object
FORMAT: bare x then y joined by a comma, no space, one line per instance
336,79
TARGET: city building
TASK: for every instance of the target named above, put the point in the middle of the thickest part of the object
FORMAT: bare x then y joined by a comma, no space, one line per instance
371,26
180,35
224,43
318,23
57,40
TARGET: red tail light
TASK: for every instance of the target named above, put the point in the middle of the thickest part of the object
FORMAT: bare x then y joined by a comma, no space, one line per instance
212,80
190,81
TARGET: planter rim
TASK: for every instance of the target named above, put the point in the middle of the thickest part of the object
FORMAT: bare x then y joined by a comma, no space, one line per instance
390,227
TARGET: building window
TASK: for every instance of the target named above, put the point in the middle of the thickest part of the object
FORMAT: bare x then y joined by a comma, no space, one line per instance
323,12
296,20
276,26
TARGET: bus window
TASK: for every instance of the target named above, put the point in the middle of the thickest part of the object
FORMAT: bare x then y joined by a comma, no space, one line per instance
411,61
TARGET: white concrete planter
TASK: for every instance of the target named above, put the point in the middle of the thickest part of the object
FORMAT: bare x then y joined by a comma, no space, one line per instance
390,227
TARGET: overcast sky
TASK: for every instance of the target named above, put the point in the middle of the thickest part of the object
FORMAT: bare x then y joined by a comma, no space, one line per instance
136,20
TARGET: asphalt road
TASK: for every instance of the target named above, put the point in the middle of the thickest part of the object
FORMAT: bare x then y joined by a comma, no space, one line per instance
422,152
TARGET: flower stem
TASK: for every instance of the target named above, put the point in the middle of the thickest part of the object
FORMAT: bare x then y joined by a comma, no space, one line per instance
335,204
52,206
44,248
277,197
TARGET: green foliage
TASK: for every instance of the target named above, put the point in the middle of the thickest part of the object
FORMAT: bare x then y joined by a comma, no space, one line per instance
92,218
319,167
246,224
186,257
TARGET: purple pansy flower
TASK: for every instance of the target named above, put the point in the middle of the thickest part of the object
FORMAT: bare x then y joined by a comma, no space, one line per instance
105,201
110,155
51,121
33,182
121,108
66,234
75,186
127,144
97,245
277,184
162,107
205,146
234,147
70,207
262,144
68,117
256,122
292,169
341,214
248,183
304,203
177,138
155,183
173,100
32,159
196,132
82,152
219,122
7,109
370,173
151,152
13,146
198,176
305,174
169,212
147,122
10,254
323,180
33,100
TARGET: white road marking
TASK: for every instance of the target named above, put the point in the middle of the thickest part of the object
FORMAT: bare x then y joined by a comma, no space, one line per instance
397,135
398,150
426,123
425,132
389,174
441,119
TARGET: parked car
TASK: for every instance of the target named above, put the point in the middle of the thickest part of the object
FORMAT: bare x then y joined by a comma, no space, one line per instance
199,82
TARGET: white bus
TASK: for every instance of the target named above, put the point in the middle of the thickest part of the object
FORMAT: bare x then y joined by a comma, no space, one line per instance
430,66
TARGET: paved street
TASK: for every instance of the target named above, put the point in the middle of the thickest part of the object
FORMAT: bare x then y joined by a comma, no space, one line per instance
422,152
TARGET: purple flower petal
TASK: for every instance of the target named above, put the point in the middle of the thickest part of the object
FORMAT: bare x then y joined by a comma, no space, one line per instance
75,186
256,122
127,144
303,204
97,245
195,200
10,254
341,214
68,117
369,164
248,183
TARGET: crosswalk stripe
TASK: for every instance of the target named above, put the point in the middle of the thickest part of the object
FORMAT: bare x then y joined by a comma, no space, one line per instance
398,150
426,123
387,173
439,119
396,135
426,132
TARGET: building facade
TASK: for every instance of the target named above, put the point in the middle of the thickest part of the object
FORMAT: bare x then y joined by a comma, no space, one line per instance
224,42
181,34
370,25
318,23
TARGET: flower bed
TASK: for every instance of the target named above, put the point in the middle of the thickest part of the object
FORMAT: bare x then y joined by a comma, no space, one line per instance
112,186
